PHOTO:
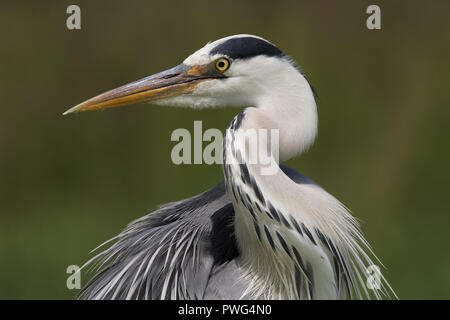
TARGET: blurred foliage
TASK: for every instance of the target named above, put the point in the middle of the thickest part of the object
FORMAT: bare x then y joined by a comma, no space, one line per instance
69,183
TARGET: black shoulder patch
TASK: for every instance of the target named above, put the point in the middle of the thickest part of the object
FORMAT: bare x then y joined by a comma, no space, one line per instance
246,47
223,241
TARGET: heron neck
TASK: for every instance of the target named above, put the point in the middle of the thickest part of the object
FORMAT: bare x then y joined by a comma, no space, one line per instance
254,188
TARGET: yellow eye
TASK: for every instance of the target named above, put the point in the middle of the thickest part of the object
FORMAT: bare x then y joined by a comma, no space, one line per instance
222,64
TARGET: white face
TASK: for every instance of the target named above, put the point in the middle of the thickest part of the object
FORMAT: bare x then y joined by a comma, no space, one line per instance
246,82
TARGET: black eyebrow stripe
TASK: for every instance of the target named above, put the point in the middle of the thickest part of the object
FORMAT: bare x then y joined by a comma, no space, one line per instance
246,47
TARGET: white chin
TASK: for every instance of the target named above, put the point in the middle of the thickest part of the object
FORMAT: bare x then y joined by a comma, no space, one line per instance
186,101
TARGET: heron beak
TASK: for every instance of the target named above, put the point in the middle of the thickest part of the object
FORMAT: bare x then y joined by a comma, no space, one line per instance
179,80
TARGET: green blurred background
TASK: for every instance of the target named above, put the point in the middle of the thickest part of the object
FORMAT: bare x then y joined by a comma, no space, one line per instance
69,183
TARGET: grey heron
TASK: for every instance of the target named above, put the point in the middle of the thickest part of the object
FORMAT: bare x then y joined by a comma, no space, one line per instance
253,235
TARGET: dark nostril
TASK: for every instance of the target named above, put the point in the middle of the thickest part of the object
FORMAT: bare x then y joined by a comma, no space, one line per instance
168,76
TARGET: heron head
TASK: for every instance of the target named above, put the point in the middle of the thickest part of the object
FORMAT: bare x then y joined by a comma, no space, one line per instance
240,70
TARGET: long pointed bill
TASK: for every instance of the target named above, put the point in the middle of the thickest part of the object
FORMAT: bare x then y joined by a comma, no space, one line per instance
170,83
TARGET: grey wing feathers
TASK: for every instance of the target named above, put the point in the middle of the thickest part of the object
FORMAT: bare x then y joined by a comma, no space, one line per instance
184,250
167,254
225,282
